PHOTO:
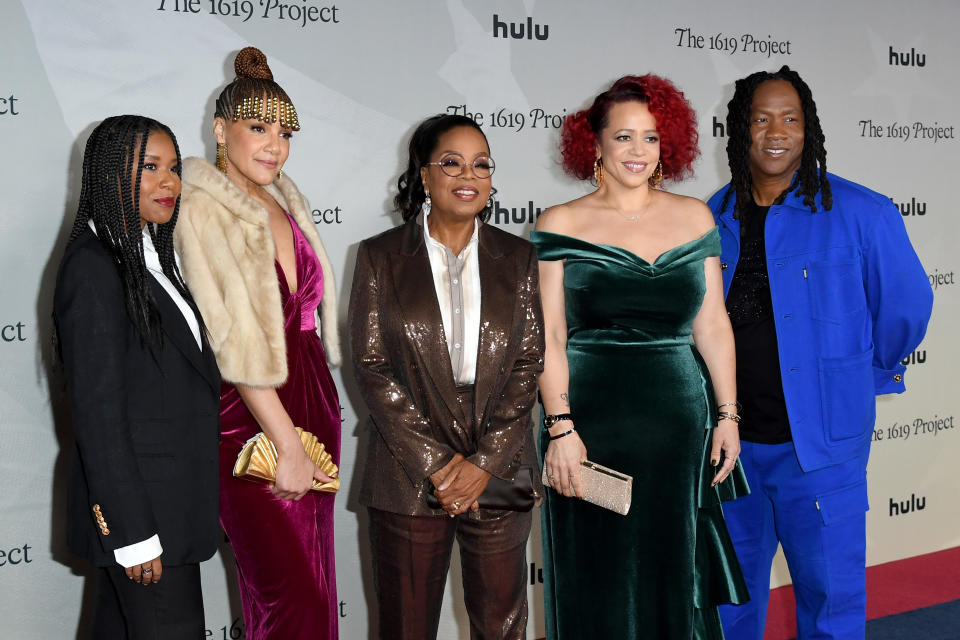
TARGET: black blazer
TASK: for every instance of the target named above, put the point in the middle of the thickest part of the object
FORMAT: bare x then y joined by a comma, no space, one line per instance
146,424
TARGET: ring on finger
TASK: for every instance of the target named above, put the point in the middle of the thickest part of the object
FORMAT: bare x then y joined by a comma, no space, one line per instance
147,570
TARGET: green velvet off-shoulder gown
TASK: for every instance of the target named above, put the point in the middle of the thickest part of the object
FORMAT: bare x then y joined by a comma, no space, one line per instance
643,404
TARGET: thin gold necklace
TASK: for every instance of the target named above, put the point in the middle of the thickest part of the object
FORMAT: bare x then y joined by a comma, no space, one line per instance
631,218
626,217
634,218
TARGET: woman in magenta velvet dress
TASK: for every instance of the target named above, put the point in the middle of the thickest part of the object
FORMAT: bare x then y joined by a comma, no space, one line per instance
265,288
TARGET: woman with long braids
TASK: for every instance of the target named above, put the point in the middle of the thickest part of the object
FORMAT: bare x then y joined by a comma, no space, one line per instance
143,386
638,377
255,263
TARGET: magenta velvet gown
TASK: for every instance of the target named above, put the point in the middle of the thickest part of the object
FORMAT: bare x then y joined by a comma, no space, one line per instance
284,549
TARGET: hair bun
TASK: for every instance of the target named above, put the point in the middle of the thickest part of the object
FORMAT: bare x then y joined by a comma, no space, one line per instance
252,63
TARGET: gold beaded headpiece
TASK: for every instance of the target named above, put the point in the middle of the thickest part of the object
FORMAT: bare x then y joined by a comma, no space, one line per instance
270,110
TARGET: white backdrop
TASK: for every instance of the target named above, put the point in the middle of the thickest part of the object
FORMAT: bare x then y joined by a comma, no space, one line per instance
362,73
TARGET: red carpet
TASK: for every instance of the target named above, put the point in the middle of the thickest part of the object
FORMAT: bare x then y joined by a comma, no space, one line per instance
894,587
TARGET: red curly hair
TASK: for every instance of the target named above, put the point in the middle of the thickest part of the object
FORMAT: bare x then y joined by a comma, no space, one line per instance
676,123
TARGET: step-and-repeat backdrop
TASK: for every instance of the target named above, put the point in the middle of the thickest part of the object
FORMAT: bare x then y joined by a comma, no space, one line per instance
362,73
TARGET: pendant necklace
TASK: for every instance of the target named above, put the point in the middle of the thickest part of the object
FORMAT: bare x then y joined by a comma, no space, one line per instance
634,218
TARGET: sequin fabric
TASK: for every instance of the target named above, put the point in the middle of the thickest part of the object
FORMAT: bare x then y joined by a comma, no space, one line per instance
749,296
403,367
750,307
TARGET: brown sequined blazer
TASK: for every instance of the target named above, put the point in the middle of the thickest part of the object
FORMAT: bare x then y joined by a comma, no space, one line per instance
404,371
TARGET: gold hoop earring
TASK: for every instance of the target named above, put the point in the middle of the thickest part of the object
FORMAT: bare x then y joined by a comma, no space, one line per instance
657,178
222,157
598,173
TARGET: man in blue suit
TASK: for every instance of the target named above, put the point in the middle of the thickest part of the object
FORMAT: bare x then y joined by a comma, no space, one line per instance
826,297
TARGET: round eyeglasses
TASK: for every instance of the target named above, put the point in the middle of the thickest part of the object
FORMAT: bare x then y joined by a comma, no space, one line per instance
454,164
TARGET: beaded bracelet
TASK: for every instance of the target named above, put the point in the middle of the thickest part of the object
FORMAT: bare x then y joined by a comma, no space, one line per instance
560,435
550,420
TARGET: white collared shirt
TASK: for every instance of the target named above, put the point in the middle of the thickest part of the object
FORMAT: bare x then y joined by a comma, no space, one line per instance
152,259
456,279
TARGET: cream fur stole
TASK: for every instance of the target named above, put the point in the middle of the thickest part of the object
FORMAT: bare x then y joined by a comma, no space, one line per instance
227,255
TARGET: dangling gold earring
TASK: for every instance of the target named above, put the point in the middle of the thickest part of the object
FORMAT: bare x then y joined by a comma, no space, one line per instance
279,174
657,178
598,173
222,157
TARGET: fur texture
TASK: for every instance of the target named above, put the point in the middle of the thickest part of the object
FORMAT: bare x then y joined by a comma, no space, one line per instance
227,252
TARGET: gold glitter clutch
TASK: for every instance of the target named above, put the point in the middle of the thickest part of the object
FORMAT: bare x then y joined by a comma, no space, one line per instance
258,459
603,487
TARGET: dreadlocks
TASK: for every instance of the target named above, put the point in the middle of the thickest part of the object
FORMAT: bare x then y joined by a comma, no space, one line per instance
110,196
812,175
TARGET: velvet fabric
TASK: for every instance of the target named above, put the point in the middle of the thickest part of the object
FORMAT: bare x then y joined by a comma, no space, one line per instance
284,549
643,404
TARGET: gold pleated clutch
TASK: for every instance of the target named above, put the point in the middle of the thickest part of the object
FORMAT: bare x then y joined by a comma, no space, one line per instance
258,459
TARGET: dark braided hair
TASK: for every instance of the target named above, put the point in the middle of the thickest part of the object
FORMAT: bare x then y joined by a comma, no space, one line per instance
410,193
110,196
811,177
254,79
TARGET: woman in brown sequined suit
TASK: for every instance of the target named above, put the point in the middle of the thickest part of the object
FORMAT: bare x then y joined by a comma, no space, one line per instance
443,421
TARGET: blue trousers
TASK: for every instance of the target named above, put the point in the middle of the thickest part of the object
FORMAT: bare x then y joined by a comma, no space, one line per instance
819,517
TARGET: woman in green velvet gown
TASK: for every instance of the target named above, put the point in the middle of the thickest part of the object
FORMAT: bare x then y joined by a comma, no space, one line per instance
640,356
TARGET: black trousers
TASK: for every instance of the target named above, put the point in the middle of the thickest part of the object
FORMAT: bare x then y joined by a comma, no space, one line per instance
411,556
171,609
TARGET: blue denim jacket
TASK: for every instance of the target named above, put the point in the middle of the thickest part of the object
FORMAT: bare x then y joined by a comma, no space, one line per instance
850,301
